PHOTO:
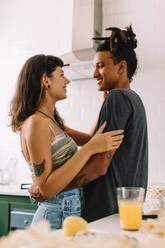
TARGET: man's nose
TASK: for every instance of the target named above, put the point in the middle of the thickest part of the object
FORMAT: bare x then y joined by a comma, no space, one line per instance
95,73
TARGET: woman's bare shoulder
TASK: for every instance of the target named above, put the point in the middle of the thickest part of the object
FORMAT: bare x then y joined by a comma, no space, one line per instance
35,123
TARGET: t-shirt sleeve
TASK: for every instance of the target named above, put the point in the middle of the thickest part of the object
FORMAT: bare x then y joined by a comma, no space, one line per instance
116,111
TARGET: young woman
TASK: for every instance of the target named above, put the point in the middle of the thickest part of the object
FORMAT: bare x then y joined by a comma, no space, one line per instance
50,152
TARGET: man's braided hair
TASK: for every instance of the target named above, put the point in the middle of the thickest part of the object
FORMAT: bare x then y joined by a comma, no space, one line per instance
121,45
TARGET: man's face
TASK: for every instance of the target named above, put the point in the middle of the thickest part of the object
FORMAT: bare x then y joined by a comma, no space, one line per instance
106,72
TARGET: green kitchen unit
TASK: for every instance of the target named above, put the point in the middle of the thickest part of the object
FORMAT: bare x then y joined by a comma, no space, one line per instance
16,212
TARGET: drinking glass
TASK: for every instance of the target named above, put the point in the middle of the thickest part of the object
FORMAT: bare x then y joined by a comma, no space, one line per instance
130,200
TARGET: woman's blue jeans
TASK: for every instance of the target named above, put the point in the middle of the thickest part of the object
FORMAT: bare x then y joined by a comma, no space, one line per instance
59,207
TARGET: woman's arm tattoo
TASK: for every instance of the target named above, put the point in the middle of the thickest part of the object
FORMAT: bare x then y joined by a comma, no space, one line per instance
39,168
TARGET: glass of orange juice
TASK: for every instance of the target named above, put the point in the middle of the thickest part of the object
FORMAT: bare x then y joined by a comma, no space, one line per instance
130,200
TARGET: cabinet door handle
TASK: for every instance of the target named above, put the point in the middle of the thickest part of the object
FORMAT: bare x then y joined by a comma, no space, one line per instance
26,221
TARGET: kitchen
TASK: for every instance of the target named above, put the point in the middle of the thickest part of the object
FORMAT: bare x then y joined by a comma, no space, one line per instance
36,30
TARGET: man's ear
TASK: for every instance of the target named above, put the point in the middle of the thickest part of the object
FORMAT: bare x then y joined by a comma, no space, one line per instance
122,66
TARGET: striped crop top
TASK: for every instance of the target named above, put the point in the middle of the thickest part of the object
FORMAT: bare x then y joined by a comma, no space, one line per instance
63,147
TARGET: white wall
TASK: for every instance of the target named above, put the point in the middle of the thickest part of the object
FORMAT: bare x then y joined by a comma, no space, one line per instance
29,27
147,18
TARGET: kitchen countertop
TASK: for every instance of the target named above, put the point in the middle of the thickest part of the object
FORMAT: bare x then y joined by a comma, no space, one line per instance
108,224
111,225
13,190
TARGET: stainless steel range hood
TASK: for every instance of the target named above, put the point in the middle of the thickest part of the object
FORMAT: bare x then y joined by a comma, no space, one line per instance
87,23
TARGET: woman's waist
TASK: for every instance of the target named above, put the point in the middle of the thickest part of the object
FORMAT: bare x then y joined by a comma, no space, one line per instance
74,193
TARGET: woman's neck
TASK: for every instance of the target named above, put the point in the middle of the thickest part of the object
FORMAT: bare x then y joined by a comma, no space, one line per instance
47,105
49,110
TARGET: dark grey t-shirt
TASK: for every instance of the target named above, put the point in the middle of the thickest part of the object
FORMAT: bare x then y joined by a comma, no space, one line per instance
122,109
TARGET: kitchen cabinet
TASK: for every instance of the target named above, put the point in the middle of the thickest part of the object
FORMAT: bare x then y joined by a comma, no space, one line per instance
4,217
15,212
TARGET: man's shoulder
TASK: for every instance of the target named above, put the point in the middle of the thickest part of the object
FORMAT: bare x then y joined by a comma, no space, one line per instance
122,92
119,95
123,95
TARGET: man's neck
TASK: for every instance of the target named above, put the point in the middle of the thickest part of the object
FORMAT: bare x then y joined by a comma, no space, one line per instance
123,84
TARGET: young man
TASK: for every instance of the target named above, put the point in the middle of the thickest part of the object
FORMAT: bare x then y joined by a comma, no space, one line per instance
115,65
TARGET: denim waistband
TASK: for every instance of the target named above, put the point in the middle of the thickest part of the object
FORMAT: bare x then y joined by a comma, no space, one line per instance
57,199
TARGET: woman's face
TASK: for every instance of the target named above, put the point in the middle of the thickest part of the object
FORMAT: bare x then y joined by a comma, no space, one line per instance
58,84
